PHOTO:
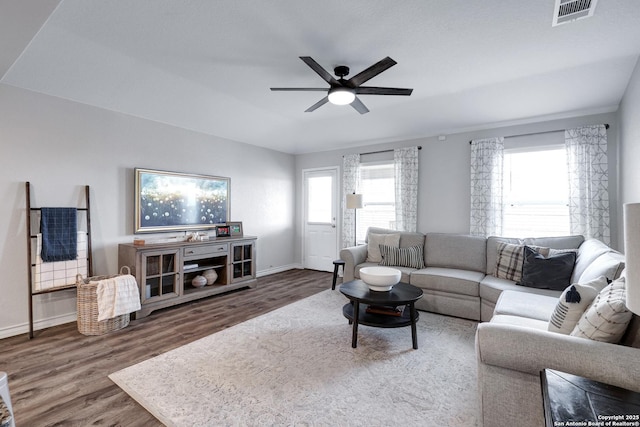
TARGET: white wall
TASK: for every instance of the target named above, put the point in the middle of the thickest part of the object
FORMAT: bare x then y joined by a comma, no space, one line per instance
444,189
60,146
629,116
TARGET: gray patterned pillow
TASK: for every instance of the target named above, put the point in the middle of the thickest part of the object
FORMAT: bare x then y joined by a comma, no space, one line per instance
402,257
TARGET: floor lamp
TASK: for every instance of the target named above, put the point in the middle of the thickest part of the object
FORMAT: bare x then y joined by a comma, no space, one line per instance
632,255
354,201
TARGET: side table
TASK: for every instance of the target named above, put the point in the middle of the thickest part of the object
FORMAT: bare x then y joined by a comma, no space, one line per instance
571,398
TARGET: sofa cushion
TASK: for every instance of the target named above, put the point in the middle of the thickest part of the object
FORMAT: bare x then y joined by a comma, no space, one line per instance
456,251
572,304
609,264
558,242
505,319
402,257
525,304
551,272
375,240
449,280
407,238
607,317
588,251
491,287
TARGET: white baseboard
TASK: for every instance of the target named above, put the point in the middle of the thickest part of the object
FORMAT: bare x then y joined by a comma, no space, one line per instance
72,317
279,269
37,325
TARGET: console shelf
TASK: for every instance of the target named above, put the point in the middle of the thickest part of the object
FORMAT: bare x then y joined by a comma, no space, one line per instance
164,270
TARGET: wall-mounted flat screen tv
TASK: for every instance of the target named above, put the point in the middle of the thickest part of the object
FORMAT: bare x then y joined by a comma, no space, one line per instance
173,201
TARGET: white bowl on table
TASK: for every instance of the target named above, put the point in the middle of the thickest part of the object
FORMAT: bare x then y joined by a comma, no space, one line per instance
380,279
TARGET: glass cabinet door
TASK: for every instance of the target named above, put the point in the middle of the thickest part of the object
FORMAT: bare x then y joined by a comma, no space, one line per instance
160,278
242,263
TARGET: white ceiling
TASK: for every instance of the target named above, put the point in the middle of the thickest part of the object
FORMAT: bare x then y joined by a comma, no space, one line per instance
208,65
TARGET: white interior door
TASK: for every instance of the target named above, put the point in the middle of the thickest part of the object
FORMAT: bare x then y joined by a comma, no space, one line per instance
320,245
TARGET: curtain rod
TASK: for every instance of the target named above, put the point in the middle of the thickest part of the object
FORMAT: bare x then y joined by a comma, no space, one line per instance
384,151
606,126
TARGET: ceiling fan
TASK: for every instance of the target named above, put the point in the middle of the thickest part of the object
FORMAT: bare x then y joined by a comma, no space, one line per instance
343,92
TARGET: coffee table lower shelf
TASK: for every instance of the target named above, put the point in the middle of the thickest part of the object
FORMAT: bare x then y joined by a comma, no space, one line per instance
380,320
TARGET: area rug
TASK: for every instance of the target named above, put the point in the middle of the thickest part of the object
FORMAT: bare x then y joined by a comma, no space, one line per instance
295,367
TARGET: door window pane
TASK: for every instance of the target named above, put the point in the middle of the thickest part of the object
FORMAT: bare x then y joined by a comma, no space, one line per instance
319,199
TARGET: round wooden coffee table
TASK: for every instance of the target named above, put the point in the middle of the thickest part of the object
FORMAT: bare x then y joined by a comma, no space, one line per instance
361,298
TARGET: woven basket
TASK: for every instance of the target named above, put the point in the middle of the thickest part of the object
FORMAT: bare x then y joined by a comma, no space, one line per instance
88,323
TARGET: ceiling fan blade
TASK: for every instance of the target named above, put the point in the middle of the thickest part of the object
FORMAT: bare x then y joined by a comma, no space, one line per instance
317,104
359,106
371,72
321,71
367,90
293,89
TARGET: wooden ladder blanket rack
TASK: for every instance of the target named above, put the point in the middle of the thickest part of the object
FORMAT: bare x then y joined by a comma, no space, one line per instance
31,262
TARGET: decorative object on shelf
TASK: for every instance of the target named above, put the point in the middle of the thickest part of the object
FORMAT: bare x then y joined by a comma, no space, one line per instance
223,231
211,276
354,201
235,228
380,279
171,201
198,281
632,255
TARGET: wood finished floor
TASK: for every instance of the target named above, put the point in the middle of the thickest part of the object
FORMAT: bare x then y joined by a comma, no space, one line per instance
59,378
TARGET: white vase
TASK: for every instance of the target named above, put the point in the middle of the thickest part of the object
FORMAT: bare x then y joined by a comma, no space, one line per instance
211,276
198,282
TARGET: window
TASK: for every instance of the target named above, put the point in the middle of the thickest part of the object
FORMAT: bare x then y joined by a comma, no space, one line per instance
377,186
319,199
536,192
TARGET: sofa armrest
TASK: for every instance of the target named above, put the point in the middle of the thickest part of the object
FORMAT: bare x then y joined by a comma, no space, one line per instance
531,350
352,256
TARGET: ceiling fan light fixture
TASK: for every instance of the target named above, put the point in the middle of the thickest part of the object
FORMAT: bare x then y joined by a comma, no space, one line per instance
341,95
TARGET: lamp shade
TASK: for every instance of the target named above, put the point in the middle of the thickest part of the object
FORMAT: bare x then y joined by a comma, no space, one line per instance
632,255
354,201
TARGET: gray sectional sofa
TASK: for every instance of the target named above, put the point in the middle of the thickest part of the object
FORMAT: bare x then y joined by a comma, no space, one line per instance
458,278
513,343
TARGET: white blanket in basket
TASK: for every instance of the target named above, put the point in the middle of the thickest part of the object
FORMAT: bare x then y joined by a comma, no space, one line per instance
117,296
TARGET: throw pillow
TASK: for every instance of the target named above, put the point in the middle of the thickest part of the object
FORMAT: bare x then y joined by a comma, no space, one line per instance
374,242
572,304
510,259
552,272
402,257
607,317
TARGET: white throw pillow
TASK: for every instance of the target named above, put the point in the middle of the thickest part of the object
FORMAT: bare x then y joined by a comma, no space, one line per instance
607,317
572,304
374,242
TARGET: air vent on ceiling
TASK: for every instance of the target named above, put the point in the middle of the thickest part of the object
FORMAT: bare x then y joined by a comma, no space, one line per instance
571,10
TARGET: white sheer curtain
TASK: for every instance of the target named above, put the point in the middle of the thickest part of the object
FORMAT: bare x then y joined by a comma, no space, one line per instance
588,181
350,180
487,157
406,182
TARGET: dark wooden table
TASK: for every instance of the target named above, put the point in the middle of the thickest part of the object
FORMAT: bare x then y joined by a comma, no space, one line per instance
568,397
361,297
